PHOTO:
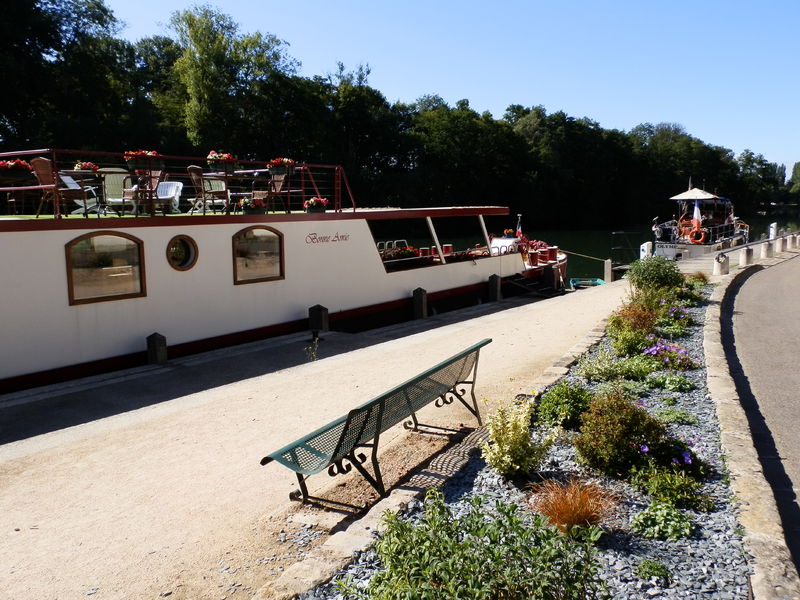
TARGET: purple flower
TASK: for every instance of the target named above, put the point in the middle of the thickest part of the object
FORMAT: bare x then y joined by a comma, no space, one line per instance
687,457
644,449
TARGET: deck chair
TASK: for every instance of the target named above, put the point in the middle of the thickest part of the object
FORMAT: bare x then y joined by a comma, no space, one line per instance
210,191
168,195
142,190
117,191
59,192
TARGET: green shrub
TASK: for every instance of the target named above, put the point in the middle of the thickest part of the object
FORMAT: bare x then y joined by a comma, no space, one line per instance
669,401
671,383
617,435
480,556
648,569
562,405
628,342
675,415
673,485
654,272
604,366
662,521
632,390
511,449
672,331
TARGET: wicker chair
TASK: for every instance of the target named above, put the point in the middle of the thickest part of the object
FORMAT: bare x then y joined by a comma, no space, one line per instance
46,176
210,191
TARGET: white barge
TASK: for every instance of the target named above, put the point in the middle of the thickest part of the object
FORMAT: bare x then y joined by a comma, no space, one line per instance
81,295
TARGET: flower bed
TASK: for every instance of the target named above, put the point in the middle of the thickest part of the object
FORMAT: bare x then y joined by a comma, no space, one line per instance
687,546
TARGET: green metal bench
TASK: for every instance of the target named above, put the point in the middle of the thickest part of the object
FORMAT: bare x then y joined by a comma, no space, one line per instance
339,441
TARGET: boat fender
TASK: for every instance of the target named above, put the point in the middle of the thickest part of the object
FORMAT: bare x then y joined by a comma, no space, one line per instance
698,236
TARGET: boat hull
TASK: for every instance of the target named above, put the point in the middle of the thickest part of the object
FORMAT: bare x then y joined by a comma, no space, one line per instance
329,260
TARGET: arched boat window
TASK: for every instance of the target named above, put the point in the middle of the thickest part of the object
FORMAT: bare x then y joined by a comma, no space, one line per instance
104,265
257,255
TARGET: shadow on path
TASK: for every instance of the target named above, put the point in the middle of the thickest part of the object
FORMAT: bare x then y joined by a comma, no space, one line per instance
43,410
763,440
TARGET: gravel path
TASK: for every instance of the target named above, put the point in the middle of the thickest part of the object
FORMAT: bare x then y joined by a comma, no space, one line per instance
712,563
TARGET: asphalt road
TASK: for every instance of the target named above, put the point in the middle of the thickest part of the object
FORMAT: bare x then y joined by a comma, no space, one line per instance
765,325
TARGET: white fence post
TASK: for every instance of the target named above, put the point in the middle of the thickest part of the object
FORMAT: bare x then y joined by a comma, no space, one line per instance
745,257
767,250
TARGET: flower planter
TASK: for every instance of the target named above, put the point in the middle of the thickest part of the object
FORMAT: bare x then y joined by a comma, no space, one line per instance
16,174
316,209
281,170
222,166
254,210
145,163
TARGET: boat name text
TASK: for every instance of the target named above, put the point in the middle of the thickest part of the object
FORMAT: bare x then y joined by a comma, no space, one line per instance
316,238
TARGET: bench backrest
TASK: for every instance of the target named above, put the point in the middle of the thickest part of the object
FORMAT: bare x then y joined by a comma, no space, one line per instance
329,444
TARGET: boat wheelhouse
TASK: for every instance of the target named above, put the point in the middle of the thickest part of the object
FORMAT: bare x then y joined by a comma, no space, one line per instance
706,224
83,294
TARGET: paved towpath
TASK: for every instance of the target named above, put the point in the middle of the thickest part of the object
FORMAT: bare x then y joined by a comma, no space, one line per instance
147,482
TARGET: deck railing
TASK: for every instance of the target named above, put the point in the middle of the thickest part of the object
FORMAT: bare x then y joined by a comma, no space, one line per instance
22,195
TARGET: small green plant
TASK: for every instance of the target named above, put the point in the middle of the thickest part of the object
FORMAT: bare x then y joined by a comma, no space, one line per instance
671,484
482,555
511,448
311,349
628,342
632,390
617,435
562,405
662,521
669,382
675,415
669,401
654,272
604,366
647,569
672,331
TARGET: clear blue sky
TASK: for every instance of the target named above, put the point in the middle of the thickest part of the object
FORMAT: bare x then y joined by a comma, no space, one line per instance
725,70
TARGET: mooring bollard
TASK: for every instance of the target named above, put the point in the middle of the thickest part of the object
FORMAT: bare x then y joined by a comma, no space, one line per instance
793,242
156,349
318,320
767,250
420,303
745,257
780,244
721,265
495,289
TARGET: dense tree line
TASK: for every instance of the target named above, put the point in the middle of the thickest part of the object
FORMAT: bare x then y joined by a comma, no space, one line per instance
73,83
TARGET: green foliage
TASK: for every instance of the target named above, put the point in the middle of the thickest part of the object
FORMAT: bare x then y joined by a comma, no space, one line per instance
662,521
632,390
654,272
628,342
481,556
669,382
673,485
511,448
617,435
562,405
669,401
648,569
675,415
604,366
672,331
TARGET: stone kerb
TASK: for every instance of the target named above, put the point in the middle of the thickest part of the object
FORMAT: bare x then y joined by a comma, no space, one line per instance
774,575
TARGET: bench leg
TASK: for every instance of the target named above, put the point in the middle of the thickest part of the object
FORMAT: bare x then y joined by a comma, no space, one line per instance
303,489
375,481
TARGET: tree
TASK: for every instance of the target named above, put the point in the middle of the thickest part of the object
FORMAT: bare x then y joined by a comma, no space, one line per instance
219,69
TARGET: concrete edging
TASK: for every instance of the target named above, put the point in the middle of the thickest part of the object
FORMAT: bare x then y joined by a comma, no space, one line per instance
774,574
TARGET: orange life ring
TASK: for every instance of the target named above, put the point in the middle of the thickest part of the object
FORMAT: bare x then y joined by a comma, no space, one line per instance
698,236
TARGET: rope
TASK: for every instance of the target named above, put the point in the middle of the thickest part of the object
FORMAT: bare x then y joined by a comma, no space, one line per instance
582,255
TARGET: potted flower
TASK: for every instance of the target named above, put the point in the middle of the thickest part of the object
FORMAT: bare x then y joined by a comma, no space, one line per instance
316,204
144,160
280,166
85,166
15,169
252,206
509,233
221,161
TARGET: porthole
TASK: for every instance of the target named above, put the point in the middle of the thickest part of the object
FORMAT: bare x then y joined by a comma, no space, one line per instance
182,252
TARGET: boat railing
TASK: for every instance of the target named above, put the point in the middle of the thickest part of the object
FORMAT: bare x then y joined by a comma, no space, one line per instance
243,178
671,232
